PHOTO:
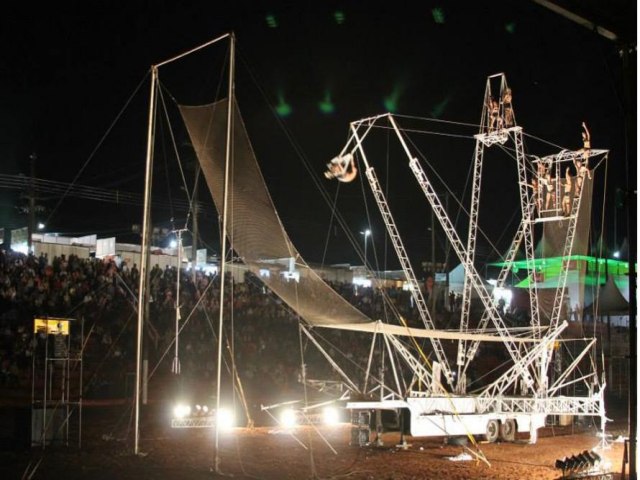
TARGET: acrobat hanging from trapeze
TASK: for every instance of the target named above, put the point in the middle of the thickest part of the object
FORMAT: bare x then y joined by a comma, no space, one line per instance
342,168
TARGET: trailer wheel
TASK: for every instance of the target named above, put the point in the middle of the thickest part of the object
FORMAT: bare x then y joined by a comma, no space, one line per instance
493,431
508,430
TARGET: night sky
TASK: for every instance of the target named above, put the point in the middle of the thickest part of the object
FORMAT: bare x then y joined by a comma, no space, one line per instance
75,91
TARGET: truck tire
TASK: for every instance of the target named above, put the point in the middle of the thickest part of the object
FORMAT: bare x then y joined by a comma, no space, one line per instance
508,430
493,430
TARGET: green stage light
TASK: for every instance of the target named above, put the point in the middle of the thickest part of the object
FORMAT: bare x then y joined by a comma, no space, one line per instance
339,17
510,27
438,109
271,21
391,102
326,106
438,15
283,108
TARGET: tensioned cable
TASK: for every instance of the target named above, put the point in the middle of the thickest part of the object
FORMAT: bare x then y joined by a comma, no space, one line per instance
95,150
446,186
438,120
161,91
184,324
597,302
163,107
333,214
544,141
98,194
426,132
312,173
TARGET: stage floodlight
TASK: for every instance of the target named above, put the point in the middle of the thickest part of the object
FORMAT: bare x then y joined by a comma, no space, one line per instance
288,418
582,462
181,411
585,461
572,463
330,416
225,419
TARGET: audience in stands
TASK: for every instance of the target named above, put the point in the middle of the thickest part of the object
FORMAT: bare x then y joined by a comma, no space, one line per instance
102,296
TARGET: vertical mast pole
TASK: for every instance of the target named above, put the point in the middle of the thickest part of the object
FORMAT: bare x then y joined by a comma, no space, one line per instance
223,248
175,367
144,258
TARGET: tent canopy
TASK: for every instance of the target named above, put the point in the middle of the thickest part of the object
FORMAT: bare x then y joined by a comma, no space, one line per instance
609,301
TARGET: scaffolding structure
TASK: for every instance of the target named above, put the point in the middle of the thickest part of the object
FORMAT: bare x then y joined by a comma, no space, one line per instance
522,397
56,386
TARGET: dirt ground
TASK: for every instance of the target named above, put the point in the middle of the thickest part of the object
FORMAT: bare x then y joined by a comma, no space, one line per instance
273,453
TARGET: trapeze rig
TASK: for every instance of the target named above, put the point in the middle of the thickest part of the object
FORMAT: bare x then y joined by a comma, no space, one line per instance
521,398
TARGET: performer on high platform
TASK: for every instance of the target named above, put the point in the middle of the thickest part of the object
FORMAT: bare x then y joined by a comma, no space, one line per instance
566,193
508,108
495,122
582,166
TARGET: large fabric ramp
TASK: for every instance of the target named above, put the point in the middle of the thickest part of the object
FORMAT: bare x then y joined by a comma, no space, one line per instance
554,237
254,229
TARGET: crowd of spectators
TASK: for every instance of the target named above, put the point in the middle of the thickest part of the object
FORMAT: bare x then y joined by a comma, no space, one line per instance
262,335
101,294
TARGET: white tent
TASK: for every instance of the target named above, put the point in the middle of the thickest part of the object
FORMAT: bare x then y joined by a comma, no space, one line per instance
456,281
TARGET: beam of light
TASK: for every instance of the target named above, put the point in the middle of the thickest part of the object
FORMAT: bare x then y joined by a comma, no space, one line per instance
510,27
438,15
439,108
391,102
288,418
331,416
283,108
339,17
225,419
326,106
20,248
181,411
271,20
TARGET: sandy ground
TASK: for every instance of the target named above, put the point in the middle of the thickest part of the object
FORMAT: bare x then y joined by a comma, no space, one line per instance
274,453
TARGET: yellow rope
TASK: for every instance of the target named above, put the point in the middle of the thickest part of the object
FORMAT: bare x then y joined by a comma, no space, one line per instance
480,455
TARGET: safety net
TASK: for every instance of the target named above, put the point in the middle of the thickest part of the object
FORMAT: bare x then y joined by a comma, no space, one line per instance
254,229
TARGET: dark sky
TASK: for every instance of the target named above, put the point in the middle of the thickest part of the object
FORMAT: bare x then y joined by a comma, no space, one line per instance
70,73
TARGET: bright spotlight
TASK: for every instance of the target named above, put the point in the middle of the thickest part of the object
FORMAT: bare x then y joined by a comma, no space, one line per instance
205,409
181,411
616,254
41,226
330,416
173,244
225,419
288,418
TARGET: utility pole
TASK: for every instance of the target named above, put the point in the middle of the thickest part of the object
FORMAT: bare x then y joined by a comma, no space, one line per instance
32,200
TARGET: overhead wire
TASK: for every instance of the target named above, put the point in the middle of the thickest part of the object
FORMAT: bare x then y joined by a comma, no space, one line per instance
99,144
98,194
